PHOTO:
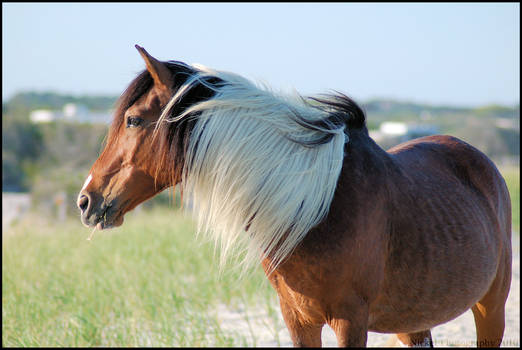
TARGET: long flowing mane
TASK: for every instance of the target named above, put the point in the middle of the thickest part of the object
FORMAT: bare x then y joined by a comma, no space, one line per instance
260,168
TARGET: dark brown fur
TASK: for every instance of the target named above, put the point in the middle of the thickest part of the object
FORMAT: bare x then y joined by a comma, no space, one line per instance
414,237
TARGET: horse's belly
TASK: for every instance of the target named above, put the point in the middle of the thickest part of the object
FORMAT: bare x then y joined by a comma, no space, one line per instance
387,319
428,297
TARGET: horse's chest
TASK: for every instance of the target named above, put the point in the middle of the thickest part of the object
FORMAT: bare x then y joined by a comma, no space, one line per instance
301,296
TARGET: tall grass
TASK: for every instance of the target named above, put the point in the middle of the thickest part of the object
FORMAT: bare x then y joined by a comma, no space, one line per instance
150,283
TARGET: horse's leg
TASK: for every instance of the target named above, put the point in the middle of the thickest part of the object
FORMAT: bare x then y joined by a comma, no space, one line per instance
417,339
349,333
489,311
351,324
302,334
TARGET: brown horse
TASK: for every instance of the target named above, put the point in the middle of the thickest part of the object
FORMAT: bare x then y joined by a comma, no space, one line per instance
349,235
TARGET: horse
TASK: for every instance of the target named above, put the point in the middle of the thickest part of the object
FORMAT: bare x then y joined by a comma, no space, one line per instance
348,234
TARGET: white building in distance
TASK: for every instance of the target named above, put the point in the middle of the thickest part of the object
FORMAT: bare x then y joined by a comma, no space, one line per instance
70,112
391,133
42,116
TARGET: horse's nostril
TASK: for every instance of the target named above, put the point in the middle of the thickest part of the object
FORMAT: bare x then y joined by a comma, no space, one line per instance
83,202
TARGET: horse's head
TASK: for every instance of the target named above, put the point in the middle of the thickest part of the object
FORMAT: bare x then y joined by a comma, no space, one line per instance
129,170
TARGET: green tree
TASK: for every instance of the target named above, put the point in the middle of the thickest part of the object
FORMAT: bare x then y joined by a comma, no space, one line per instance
21,147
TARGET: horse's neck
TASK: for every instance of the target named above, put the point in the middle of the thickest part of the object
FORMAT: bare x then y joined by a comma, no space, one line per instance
368,179
362,187
365,159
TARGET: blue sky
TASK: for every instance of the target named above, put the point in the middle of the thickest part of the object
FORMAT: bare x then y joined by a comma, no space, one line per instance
436,53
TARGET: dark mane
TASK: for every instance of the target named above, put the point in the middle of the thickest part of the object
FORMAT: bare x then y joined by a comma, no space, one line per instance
343,109
141,85
173,135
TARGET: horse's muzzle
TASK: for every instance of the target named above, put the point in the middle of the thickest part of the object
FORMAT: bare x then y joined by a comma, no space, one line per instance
96,211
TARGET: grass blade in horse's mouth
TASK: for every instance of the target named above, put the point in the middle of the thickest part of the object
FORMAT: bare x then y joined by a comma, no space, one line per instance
92,234
99,226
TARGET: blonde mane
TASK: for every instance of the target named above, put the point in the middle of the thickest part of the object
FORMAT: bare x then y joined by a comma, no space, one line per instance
255,175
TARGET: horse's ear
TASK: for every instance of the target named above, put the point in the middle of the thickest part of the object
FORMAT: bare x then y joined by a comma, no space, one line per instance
160,73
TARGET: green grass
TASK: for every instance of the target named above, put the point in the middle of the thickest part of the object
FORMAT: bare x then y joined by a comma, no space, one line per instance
149,283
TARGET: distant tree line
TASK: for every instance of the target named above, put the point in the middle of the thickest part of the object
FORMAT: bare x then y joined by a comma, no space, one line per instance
29,150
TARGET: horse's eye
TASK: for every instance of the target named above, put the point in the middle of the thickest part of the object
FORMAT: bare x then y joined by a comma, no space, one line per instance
133,122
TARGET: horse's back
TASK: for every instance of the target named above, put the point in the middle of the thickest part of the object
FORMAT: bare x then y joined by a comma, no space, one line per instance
450,229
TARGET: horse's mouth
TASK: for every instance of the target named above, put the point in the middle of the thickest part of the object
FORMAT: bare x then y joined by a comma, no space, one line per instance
107,223
106,217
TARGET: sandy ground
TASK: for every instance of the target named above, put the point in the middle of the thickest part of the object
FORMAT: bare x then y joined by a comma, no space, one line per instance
259,329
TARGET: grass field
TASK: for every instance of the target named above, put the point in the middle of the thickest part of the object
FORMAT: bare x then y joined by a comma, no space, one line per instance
148,283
